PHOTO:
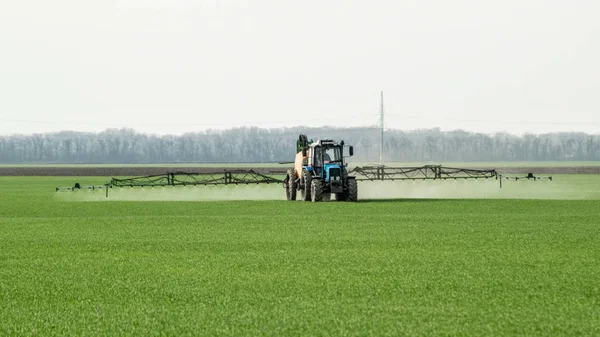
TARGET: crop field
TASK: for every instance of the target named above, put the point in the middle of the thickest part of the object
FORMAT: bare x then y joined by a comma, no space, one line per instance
490,265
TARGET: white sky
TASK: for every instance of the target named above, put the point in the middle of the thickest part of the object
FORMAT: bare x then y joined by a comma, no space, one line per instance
175,66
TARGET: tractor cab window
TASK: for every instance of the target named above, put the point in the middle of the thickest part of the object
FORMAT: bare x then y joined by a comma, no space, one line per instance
332,154
327,155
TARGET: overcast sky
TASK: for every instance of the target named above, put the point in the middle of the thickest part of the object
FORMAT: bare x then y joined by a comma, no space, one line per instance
175,66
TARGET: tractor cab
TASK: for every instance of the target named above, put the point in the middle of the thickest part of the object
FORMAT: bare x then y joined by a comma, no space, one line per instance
324,156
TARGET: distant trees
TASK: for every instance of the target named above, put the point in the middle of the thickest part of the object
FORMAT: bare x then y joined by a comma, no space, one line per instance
254,145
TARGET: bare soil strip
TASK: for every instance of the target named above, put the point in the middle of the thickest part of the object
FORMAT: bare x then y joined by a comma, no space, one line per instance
142,171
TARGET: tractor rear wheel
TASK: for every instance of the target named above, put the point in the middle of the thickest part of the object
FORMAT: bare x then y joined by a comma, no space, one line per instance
306,181
352,190
316,191
290,189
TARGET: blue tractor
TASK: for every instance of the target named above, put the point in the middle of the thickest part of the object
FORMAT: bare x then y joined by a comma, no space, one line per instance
320,171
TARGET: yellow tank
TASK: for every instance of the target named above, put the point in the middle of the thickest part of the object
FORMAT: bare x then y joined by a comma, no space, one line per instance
300,162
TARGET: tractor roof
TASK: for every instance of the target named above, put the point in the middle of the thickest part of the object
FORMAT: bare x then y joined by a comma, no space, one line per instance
324,142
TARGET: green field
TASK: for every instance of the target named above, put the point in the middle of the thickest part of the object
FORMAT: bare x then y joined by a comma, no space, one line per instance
404,267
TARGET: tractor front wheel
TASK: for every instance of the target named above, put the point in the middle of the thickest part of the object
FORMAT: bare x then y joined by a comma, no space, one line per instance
316,191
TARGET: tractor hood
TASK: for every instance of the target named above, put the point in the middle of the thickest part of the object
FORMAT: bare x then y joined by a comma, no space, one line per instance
328,168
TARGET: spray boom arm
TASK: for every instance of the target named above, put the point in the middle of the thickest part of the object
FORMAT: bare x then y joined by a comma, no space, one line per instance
431,172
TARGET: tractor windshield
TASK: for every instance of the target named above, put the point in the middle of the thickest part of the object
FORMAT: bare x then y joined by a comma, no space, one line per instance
326,155
332,154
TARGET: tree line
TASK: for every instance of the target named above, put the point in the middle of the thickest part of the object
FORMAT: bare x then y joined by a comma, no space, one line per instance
259,145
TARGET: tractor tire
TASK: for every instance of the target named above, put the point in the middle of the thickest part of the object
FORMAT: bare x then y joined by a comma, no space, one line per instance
352,190
316,191
290,189
306,180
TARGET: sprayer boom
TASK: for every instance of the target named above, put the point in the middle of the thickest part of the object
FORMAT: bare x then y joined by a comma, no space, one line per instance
225,177
433,172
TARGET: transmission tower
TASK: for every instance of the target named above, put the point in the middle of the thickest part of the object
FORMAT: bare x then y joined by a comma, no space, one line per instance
381,110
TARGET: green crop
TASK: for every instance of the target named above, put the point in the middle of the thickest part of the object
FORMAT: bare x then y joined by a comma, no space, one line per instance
413,267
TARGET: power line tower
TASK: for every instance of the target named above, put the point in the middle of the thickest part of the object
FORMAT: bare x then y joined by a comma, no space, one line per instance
381,126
